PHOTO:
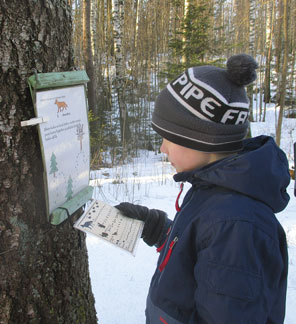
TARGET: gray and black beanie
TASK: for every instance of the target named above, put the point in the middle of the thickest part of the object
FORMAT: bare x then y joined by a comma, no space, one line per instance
206,108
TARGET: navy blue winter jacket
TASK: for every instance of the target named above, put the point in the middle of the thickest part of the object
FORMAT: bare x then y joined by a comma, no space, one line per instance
225,258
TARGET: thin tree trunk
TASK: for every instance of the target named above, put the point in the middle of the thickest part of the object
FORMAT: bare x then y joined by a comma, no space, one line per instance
279,47
88,57
284,73
250,89
119,82
43,269
270,27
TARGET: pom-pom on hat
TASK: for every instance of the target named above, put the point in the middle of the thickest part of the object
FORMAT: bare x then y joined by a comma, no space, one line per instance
206,108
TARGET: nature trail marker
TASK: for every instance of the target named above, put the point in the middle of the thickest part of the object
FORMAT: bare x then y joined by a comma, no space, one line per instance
61,115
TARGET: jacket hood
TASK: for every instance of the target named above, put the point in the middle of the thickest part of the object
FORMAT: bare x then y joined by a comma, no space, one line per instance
260,171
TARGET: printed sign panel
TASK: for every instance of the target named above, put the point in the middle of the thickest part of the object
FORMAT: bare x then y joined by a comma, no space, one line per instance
65,142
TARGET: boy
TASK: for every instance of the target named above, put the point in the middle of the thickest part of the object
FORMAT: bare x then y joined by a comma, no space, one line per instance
224,257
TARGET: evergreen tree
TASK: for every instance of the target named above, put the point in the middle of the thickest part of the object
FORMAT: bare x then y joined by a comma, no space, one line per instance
69,189
53,165
196,32
191,44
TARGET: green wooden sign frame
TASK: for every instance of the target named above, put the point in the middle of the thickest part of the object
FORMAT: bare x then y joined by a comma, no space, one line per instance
52,81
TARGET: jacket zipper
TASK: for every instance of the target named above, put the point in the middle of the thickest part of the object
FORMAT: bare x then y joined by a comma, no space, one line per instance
168,255
170,231
178,197
163,245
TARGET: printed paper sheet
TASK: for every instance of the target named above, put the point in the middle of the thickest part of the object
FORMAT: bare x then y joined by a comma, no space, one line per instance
108,223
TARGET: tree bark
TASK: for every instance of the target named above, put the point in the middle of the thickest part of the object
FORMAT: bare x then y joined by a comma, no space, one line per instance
44,274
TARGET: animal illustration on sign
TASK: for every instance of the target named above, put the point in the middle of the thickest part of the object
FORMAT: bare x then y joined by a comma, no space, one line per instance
88,224
61,105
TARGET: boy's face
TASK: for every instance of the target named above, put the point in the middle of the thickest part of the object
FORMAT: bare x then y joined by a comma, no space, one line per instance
183,158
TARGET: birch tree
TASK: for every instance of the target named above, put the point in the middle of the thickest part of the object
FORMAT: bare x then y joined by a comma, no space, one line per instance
119,81
44,274
88,57
270,15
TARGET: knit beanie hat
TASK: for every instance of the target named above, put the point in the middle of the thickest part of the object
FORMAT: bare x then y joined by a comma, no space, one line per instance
206,108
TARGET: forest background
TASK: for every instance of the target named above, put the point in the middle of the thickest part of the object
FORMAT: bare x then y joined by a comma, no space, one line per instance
131,48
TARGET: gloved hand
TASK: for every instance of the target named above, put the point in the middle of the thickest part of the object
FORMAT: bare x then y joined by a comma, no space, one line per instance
154,220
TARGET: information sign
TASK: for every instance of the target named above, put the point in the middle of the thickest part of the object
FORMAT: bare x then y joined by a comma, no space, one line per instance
65,141
62,117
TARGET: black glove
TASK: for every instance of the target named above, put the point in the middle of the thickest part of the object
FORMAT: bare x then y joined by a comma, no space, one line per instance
154,220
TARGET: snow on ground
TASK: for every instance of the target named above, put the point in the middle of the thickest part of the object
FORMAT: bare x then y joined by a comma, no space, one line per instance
120,281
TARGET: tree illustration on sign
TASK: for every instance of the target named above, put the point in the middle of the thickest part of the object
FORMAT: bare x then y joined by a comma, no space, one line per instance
79,133
69,189
53,165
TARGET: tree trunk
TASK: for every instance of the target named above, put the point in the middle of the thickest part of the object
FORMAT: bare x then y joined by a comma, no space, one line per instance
284,73
44,274
269,38
119,82
278,48
250,88
88,57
